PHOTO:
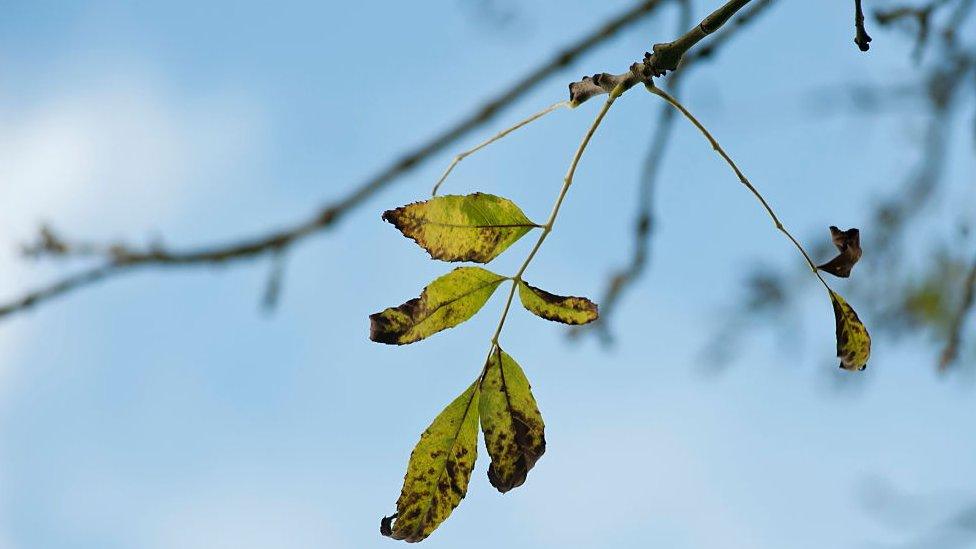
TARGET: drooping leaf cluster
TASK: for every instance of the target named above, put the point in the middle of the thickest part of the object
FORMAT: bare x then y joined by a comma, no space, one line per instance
477,228
853,340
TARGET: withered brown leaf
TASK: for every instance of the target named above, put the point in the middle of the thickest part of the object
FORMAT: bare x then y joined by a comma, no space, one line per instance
849,245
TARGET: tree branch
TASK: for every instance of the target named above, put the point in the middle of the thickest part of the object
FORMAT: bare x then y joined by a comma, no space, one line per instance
117,259
861,37
665,57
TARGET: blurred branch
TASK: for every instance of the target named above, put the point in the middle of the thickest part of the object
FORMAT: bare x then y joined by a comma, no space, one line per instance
626,276
120,258
944,520
891,291
951,351
644,227
921,16
623,278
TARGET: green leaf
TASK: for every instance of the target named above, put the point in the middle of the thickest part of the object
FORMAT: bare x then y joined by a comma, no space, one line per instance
476,227
514,430
439,470
853,340
565,309
444,303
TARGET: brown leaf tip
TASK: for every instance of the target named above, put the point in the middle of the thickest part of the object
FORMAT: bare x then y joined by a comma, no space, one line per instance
386,525
395,216
384,329
529,454
572,302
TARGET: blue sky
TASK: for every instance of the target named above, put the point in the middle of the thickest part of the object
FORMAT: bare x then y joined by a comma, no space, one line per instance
164,410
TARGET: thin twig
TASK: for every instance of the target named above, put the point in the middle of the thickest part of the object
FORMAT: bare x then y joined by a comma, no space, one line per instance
622,279
550,222
457,159
665,57
121,259
742,178
644,226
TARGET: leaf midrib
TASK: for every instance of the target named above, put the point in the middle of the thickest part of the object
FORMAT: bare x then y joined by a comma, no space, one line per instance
458,298
489,226
430,501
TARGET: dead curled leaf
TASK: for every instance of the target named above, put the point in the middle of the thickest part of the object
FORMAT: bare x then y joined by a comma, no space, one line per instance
848,243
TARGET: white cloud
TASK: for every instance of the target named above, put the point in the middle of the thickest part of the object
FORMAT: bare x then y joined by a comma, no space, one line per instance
117,158
241,518
212,511
103,160
116,152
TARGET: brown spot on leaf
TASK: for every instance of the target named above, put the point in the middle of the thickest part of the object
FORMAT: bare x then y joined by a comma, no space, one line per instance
444,303
513,427
853,340
475,227
439,470
566,309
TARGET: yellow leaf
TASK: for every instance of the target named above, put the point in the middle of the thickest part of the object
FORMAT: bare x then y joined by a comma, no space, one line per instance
853,340
439,470
444,303
565,309
513,427
476,227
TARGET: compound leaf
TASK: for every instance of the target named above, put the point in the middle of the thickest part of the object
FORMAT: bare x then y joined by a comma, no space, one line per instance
853,340
513,427
444,303
565,309
439,470
475,227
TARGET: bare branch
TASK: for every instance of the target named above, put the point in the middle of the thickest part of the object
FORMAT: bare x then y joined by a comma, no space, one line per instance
62,287
665,57
719,39
861,37
118,258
